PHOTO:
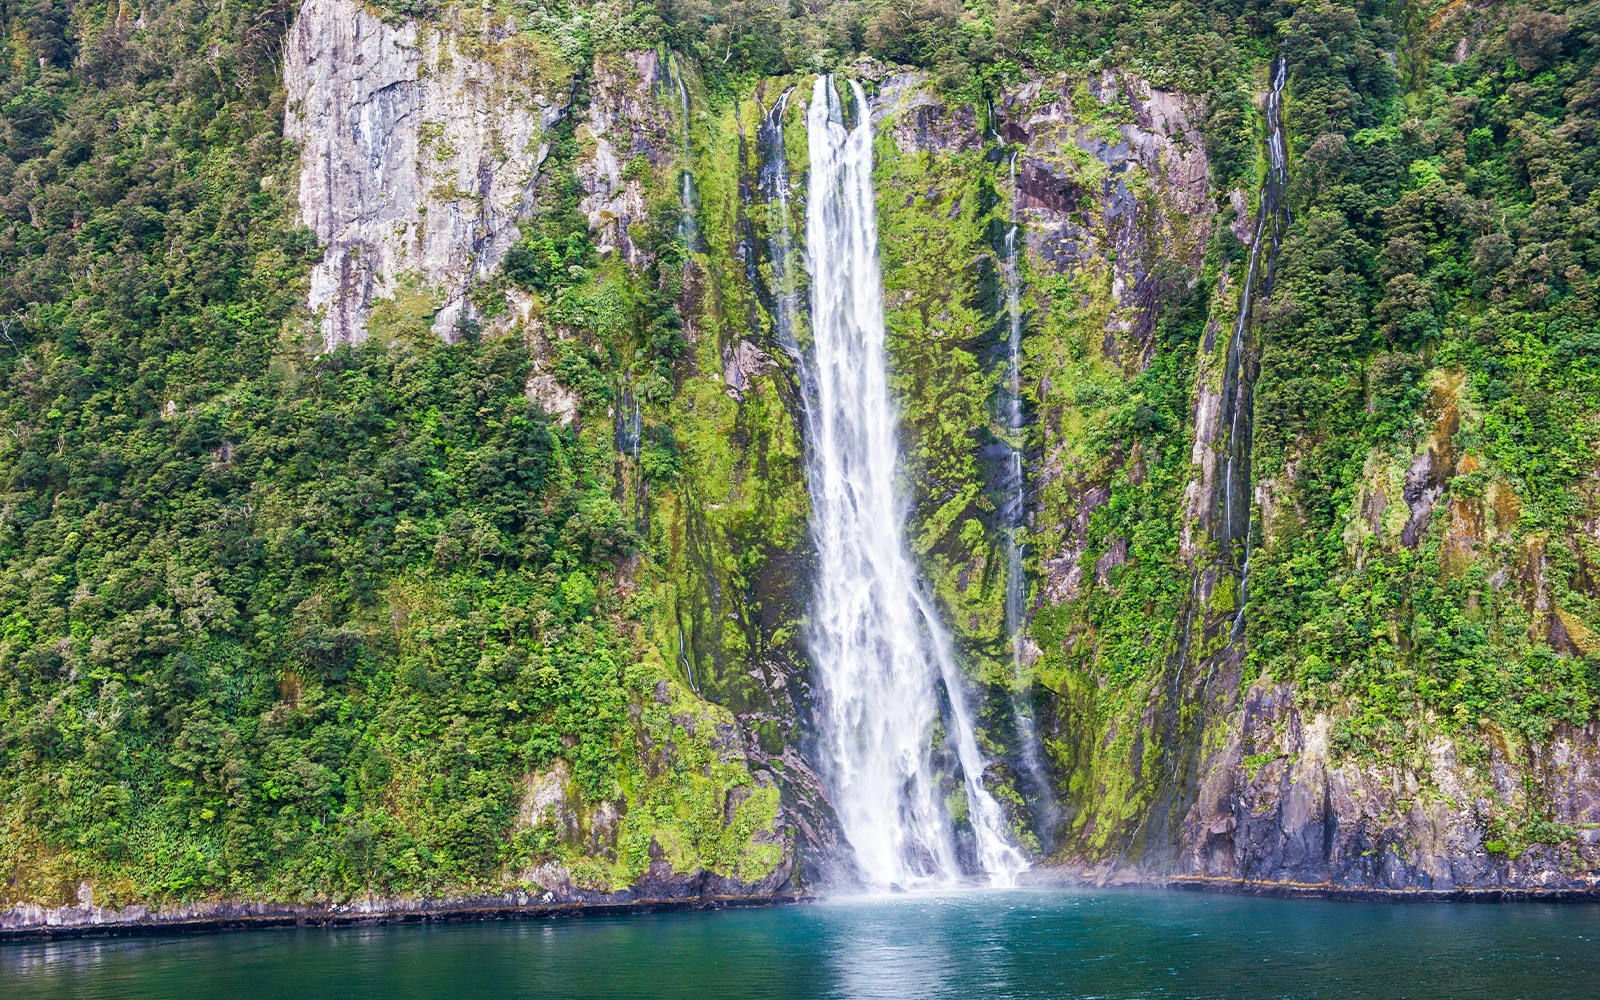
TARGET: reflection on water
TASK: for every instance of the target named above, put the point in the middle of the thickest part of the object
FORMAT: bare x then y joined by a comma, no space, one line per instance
879,948
1018,944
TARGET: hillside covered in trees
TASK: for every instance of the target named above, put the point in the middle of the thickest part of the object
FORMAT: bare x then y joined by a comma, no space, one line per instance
418,508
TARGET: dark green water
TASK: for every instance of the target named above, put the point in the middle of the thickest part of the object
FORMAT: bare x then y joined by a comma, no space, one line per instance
1014,944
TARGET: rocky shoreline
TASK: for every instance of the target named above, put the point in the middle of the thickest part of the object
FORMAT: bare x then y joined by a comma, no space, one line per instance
1104,877
25,923
1309,890
35,923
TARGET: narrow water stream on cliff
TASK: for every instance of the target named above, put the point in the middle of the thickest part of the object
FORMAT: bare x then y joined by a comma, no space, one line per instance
1235,429
1238,391
1022,944
688,196
885,672
1014,515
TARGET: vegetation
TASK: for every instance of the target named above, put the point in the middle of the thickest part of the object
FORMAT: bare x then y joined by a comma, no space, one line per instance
276,623
1424,423
1436,297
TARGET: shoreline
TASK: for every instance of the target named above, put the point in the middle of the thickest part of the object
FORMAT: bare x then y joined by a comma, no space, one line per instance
1370,894
30,923
54,924
1102,878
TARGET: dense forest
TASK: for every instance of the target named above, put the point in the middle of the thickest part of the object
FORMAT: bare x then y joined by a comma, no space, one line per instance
285,622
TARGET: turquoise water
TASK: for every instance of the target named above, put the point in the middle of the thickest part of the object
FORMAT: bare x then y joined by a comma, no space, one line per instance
1005,945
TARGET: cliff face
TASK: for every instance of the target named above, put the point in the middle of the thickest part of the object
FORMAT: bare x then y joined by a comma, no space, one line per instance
509,602
1166,759
420,144
1173,752
1279,805
421,151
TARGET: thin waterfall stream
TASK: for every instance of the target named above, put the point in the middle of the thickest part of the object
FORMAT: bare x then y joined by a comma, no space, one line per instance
881,656
775,189
1014,515
688,196
1231,524
1238,391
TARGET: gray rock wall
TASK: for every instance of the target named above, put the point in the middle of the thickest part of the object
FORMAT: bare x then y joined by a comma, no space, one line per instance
1277,804
420,145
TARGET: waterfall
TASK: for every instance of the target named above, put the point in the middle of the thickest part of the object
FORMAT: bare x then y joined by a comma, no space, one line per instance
1238,383
1014,513
688,196
775,189
880,654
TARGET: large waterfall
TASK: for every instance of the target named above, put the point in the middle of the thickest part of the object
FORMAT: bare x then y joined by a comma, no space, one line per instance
881,656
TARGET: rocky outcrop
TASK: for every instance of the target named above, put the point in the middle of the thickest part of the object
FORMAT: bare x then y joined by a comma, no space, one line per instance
1278,805
1127,191
633,132
420,145
920,120
1119,197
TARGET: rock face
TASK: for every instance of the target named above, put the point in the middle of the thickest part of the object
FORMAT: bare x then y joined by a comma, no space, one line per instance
920,120
1277,805
1122,203
420,145
631,125
1129,196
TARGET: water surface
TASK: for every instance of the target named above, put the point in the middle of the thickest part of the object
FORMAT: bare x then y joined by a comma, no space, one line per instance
1016,944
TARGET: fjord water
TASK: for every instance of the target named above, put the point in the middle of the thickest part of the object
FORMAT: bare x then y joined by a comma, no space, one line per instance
880,655
1016,945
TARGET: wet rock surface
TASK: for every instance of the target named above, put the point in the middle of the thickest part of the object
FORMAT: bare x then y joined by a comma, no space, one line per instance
1277,805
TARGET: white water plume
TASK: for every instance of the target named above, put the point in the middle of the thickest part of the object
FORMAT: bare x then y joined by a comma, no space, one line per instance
881,656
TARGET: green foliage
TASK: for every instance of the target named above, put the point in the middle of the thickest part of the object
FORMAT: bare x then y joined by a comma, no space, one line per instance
304,624
1445,230
555,249
294,626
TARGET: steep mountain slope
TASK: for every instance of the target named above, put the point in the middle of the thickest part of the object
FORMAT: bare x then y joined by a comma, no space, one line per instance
404,483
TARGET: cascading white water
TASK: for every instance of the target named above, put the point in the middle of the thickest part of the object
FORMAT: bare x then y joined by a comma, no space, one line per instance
879,651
